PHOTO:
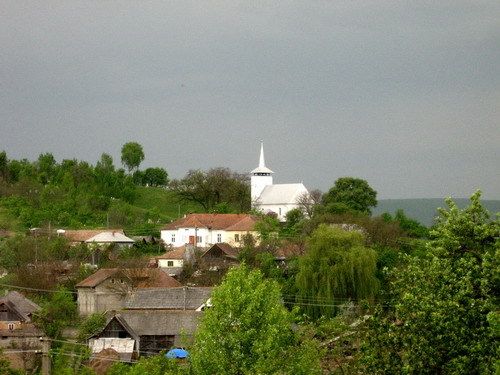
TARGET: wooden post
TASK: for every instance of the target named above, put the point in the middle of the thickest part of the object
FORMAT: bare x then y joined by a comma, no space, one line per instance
45,355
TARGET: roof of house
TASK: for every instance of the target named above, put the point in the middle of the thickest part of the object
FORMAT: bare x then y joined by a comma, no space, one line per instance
227,249
154,322
141,277
82,235
288,250
110,237
20,304
183,298
281,193
175,253
214,221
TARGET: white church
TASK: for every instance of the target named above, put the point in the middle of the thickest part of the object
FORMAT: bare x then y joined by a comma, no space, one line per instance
276,198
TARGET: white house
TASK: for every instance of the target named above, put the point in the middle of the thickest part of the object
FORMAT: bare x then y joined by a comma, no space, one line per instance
276,198
203,230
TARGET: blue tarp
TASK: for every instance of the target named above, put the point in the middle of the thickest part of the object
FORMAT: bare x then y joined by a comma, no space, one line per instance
177,353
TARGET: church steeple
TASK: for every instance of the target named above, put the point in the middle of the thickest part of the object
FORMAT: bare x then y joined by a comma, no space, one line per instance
262,170
260,176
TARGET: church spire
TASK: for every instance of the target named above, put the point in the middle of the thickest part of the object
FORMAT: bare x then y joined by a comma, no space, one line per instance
262,170
262,163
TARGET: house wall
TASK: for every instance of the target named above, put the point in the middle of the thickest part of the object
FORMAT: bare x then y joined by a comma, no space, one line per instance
208,237
163,263
104,297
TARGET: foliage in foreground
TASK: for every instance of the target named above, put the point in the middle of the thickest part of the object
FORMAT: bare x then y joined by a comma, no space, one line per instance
436,320
249,331
337,267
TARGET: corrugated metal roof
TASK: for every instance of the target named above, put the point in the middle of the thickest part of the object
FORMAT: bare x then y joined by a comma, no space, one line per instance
184,298
110,237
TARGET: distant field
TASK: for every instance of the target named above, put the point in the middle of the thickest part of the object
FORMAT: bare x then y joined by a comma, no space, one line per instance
424,210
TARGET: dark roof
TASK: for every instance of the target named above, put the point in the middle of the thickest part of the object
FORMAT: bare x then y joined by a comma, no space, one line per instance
234,222
141,277
225,248
184,298
151,322
20,304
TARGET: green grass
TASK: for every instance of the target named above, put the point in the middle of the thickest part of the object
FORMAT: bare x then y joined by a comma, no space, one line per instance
166,202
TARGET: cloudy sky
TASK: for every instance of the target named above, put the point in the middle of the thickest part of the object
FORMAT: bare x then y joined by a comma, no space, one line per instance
403,94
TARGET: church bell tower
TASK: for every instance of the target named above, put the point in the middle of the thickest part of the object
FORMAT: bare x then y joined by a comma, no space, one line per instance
260,176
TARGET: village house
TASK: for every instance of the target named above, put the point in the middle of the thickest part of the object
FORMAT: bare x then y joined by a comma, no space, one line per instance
173,261
220,255
18,333
203,230
267,197
152,320
107,288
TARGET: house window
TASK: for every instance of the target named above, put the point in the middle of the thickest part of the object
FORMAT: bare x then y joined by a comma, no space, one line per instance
198,239
173,238
11,326
170,263
279,210
237,238
219,237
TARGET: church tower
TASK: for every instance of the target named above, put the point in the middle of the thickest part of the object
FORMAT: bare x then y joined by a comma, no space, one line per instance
260,176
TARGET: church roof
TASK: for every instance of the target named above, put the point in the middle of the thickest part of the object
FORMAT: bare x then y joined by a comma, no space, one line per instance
281,193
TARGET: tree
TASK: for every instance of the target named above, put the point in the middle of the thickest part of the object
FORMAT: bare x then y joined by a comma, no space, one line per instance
249,331
132,155
211,189
58,312
336,267
352,194
4,163
308,201
155,177
437,318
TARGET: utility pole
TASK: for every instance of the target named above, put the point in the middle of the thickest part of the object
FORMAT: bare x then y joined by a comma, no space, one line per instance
45,356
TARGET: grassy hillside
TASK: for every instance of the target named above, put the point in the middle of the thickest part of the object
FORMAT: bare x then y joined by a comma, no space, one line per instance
424,210
166,202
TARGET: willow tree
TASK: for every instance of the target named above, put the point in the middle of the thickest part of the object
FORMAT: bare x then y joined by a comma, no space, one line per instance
336,268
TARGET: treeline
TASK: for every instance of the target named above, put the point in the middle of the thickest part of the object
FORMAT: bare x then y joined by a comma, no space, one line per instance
71,193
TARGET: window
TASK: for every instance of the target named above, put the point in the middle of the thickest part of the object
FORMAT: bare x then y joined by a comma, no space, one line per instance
198,239
237,238
173,238
219,237
280,210
170,263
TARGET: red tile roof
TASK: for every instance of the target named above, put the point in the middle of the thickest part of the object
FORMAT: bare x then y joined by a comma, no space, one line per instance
235,222
175,253
289,250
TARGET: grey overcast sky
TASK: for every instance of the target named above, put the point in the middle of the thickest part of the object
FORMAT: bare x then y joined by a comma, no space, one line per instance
404,94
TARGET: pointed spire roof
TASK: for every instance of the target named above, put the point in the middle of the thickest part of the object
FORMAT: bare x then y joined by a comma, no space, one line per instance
262,164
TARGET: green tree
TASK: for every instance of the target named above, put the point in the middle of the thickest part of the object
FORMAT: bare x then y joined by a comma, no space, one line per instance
337,267
155,177
132,155
155,365
435,321
4,165
249,331
58,312
350,194
216,186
